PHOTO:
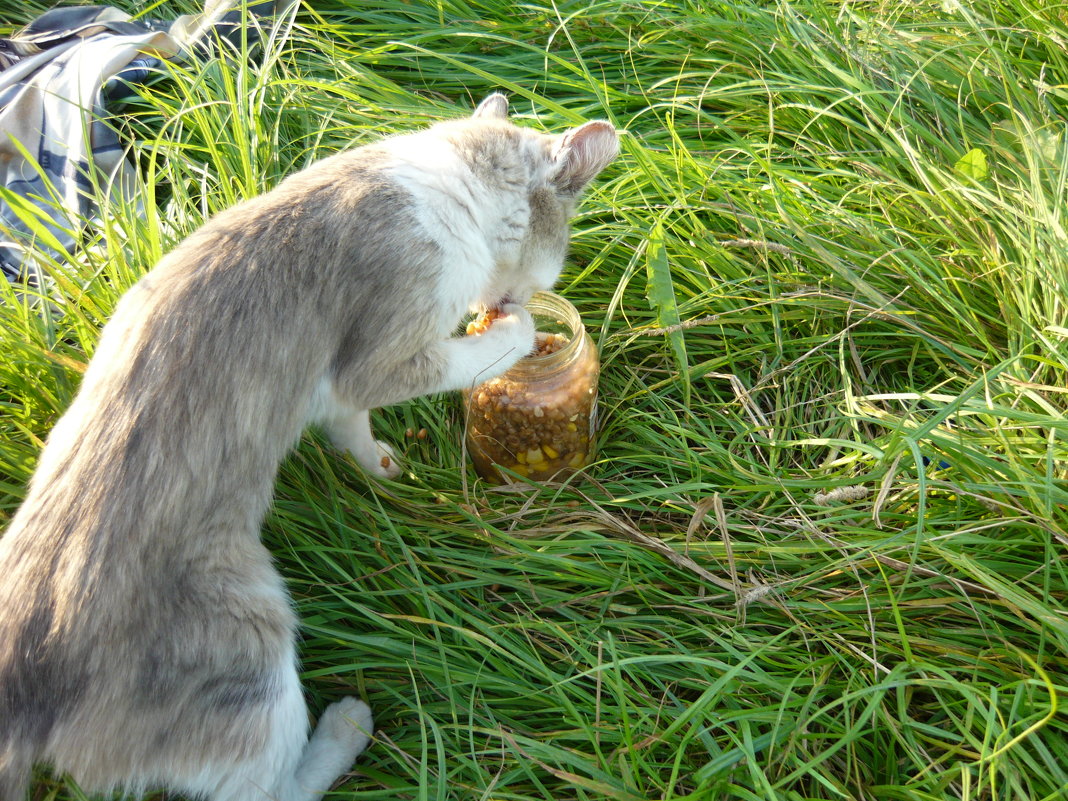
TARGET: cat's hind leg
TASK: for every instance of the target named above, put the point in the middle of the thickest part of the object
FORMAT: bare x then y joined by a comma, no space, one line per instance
343,732
292,766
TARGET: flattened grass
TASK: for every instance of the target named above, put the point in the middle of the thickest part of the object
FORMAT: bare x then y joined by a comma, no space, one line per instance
861,209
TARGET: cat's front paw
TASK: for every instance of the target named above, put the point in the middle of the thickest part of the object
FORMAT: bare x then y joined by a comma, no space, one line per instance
386,465
483,355
515,326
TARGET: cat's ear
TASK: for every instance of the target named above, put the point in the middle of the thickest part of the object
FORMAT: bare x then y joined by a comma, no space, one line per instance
493,107
581,153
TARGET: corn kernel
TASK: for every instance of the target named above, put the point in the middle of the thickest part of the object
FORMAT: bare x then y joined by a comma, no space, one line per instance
551,452
535,455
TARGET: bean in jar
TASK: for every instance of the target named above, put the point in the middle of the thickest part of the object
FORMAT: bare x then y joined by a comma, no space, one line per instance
539,418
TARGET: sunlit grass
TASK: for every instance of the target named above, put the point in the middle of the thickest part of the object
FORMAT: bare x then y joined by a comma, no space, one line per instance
862,303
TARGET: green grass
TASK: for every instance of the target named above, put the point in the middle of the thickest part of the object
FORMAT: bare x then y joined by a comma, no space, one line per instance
853,295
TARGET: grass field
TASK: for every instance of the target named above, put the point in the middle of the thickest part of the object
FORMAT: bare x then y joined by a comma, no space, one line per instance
822,554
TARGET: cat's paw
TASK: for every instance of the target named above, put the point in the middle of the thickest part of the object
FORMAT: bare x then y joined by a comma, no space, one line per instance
348,724
384,462
515,326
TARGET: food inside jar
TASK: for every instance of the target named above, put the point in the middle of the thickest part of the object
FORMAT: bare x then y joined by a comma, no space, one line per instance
544,344
536,428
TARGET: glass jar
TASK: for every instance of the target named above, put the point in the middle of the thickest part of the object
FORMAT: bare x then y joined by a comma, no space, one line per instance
539,418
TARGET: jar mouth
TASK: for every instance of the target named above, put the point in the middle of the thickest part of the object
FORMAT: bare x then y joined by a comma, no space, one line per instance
552,314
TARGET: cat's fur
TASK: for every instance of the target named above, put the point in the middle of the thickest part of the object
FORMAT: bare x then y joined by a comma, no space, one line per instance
145,638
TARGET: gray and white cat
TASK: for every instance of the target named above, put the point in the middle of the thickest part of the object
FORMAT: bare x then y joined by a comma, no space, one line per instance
146,640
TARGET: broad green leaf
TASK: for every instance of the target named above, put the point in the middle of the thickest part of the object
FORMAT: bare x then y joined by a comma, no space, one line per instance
660,292
973,165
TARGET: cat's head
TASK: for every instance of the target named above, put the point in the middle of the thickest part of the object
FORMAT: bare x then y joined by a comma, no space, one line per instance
560,168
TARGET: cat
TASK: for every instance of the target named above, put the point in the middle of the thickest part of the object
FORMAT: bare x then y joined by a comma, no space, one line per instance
146,640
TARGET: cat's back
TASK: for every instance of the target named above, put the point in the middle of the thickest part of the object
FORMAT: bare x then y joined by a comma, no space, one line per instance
195,390
204,375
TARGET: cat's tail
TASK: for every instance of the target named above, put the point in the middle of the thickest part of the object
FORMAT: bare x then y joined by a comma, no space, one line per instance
15,768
